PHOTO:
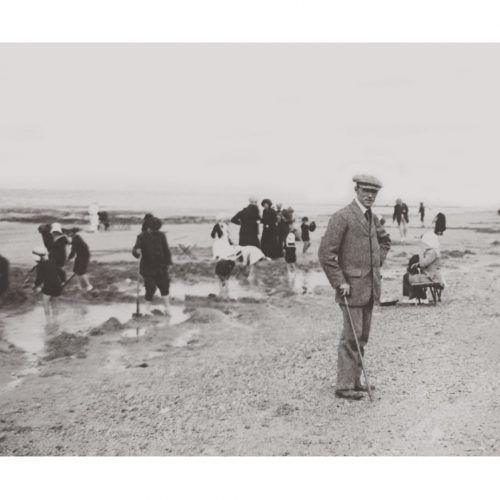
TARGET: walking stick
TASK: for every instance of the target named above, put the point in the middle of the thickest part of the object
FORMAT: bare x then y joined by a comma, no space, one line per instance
359,350
137,313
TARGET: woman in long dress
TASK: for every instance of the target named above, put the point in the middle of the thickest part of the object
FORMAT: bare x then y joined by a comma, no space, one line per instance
269,241
248,220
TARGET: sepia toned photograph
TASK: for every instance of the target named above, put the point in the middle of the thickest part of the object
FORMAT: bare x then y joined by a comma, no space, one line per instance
249,250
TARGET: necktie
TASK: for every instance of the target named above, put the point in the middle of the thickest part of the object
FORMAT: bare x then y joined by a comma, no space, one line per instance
368,215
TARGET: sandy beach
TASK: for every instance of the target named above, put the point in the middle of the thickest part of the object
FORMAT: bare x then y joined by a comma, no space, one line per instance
254,375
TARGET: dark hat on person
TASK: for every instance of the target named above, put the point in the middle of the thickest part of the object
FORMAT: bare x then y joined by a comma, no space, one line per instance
266,200
368,181
154,224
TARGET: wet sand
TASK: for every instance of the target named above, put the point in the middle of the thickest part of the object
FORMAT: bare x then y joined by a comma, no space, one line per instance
254,375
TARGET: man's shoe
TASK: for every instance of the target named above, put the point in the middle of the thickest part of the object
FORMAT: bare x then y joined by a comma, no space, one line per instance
364,388
349,394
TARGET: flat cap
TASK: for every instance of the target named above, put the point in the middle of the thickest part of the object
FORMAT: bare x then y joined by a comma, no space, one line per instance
367,180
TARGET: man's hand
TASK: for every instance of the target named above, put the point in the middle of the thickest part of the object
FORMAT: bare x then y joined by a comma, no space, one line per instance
345,289
38,289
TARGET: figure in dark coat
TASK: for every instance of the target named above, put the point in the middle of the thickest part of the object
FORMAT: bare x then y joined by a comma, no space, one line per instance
44,230
146,221
282,228
400,215
80,250
4,275
152,248
103,220
269,240
440,224
248,220
421,211
50,281
305,229
50,278
285,225
400,212
57,252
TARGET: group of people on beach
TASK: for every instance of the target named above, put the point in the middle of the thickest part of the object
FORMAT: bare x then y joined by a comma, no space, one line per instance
401,217
151,248
51,257
278,239
351,252
422,269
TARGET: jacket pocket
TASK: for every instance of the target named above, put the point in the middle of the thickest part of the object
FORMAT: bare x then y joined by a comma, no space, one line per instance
353,273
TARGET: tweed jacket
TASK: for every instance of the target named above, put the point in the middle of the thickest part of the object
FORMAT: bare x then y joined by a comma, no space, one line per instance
344,254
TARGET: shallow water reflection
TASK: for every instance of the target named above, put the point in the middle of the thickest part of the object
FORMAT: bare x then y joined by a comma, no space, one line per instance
29,332
179,289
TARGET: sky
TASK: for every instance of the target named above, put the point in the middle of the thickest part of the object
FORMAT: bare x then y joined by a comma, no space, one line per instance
266,119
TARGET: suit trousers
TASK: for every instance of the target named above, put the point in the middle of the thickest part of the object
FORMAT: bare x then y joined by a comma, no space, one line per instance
348,363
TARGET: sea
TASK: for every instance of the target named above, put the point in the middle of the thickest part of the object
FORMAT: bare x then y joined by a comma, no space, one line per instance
171,204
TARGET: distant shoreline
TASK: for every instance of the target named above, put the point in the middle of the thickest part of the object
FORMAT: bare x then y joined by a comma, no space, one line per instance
78,216
174,204
117,217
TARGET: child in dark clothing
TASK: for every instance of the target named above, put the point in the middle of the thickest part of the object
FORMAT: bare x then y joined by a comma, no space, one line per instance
57,251
80,250
44,230
152,247
146,221
49,281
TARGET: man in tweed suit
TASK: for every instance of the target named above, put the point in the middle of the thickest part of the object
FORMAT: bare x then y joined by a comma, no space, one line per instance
351,253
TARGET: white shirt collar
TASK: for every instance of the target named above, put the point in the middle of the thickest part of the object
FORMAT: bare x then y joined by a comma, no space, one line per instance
362,208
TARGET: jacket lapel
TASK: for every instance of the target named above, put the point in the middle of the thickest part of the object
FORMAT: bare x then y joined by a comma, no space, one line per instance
360,216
